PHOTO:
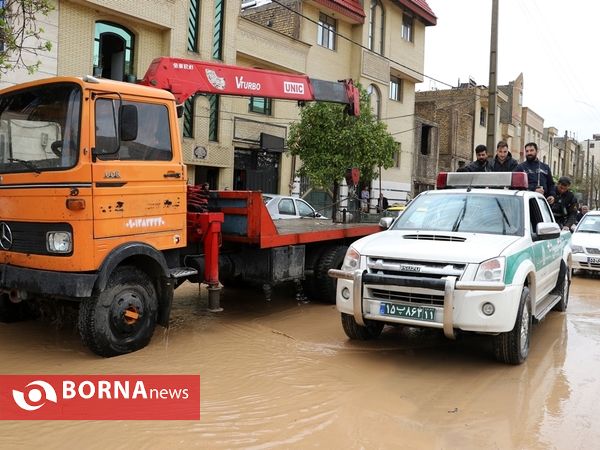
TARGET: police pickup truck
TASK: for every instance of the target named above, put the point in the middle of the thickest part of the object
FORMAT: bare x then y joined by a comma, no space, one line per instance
484,257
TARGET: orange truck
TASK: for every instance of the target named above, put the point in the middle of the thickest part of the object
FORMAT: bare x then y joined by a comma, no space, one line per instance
95,206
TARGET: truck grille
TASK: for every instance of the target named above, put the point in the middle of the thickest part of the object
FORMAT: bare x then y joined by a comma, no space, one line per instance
30,238
408,297
434,237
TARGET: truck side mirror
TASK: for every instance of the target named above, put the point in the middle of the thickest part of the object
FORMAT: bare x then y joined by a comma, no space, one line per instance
128,123
547,230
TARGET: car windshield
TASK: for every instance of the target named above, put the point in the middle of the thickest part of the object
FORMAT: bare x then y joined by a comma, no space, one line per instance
589,224
471,213
39,128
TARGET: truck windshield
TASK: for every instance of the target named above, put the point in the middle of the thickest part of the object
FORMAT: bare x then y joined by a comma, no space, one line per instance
39,128
471,213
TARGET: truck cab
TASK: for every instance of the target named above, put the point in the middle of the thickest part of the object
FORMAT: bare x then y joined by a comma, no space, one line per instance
479,254
91,180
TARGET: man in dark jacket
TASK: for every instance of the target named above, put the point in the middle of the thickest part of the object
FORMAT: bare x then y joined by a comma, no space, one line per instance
538,173
564,207
503,162
481,164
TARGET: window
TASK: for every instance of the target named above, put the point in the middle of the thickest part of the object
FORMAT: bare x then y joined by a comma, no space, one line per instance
218,30
188,117
482,116
397,154
213,119
260,105
591,145
153,141
375,100
425,139
326,32
395,89
304,209
407,27
113,52
194,25
286,206
376,27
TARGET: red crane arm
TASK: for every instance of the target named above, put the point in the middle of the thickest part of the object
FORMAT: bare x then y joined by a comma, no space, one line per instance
186,77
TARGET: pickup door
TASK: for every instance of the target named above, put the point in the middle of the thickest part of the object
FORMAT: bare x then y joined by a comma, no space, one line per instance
546,253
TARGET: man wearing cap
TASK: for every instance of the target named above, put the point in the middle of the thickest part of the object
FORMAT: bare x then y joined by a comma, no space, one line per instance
564,207
538,173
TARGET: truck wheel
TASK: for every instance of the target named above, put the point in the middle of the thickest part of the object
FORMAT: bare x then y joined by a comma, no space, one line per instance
512,347
562,288
120,319
14,312
353,330
325,286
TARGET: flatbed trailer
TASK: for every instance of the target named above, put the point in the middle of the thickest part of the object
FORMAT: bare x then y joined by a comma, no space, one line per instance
259,250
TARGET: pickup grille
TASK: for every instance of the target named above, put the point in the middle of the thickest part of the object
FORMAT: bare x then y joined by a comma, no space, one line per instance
30,238
408,297
385,266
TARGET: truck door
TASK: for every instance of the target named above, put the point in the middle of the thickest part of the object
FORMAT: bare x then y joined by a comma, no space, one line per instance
547,262
138,180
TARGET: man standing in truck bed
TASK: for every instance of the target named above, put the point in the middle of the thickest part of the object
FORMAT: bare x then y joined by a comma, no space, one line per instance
538,173
503,162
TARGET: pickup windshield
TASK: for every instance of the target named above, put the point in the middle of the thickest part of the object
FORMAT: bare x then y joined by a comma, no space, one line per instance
39,128
470,213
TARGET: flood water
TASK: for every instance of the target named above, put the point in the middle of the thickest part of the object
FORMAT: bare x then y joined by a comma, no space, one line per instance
282,374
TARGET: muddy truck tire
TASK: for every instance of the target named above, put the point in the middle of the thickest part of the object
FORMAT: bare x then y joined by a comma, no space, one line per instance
325,286
353,330
512,347
120,319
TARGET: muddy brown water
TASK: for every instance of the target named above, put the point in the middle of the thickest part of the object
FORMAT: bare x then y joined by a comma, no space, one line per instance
282,374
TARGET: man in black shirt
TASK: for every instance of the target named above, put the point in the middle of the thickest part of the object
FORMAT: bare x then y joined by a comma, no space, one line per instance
481,164
538,173
503,162
564,207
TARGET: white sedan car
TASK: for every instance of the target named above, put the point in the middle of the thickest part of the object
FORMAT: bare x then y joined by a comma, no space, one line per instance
585,242
286,207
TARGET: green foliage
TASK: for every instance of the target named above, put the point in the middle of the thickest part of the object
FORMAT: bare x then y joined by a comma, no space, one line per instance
328,142
21,35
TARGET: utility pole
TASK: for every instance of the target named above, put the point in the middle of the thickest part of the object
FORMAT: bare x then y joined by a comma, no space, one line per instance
592,184
492,88
587,174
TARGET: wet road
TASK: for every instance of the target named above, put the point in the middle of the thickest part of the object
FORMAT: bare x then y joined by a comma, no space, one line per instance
283,375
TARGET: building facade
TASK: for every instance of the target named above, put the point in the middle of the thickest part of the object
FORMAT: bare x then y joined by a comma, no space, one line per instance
379,43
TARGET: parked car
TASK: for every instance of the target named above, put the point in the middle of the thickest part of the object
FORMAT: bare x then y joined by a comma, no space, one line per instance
585,242
286,207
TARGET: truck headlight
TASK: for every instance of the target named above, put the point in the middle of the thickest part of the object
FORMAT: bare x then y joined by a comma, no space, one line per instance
352,260
59,242
491,270
577,248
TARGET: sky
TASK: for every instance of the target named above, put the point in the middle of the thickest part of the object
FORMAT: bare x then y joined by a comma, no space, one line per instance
554,43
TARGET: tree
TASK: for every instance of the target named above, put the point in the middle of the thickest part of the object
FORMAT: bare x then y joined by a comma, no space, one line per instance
328,142
20,34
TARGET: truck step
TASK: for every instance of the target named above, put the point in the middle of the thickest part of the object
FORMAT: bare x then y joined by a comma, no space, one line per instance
180,272
545,306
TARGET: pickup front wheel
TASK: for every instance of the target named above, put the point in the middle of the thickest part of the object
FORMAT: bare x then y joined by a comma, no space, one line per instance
512,347
121,318
353,330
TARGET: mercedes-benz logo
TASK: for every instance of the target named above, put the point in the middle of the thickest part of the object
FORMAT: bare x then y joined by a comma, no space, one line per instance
6,237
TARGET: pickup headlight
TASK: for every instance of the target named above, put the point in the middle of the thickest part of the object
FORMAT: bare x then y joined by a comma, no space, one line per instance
351,261
491,270
59,242
577,248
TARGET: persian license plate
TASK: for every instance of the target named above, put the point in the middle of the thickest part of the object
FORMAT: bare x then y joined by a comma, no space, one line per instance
410,312
594,260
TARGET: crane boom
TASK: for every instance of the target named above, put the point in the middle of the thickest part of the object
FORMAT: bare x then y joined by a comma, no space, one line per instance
186,77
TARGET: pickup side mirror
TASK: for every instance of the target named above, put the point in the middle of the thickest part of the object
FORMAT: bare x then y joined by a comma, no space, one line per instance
128,123
547,230
385,222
